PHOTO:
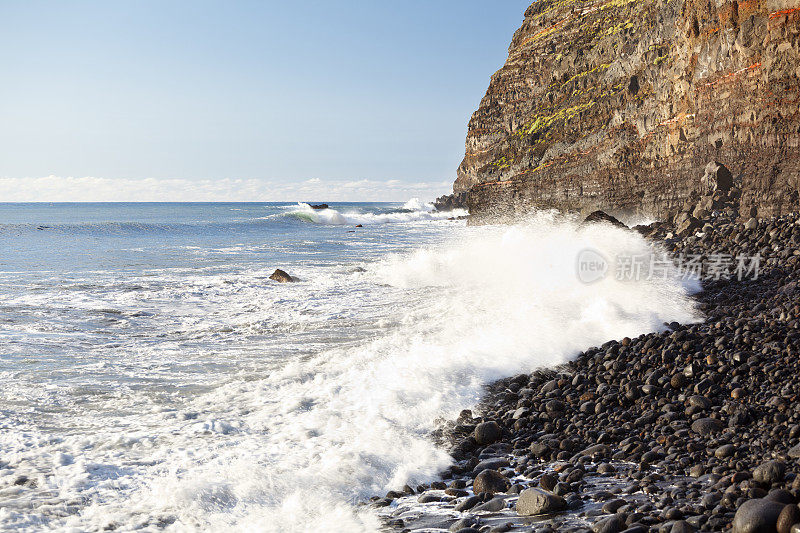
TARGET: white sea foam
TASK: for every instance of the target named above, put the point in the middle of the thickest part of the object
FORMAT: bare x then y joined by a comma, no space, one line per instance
412,211
292,444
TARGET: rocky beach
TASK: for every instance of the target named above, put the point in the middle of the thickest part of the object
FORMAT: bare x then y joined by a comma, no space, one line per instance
693,428
685,112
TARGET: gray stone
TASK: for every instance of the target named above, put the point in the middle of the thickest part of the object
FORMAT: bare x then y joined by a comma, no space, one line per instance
487,433
769,472
612,524
494,505
464,523
428,498
494,463
794,452
757,516
707,426
490,482
536,502
788,518
717,177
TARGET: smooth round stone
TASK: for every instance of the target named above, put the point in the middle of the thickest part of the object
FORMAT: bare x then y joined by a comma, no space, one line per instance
757,516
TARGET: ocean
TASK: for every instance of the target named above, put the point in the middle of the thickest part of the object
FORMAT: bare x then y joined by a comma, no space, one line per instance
154,378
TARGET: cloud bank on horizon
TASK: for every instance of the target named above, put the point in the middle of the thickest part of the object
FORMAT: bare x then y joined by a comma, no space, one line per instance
93,189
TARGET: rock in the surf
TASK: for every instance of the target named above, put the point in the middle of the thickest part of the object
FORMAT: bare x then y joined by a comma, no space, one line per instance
602,216
490,482
487,432
281,277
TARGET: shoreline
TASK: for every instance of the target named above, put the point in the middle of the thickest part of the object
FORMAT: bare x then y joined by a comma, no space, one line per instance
694,428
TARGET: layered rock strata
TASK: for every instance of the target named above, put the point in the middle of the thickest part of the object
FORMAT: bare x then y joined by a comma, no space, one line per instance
621,104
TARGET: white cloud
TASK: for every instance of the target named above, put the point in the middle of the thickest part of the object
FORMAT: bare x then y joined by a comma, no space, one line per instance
92,189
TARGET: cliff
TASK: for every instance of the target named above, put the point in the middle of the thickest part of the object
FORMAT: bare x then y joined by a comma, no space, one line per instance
621,104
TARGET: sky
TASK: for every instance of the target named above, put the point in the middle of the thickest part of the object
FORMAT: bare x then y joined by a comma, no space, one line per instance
242,101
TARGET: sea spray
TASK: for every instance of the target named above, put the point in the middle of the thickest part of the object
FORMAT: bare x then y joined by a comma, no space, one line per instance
300,448
412,211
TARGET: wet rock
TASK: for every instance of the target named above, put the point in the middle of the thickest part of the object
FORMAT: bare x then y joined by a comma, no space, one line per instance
726,450
612,524
428,498
490,482
769,472
281,277
602,216
495,463
788,518
468,503
707,426
462,524
487,433
794,452
688,226
537,502
682,526
757,516
548,482
494,505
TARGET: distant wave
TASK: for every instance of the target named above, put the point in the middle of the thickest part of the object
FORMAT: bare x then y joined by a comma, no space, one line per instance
412,211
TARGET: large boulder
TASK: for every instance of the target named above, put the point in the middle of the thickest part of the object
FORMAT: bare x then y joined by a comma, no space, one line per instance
707,426
717,177
537,502
487,433
688,226
769,472
602,216
490,482
757,516
612,524
788,517
794,452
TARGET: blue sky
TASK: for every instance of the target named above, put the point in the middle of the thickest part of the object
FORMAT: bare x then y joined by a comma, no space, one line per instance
359,100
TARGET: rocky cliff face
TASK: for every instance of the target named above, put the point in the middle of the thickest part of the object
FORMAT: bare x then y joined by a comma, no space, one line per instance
621,104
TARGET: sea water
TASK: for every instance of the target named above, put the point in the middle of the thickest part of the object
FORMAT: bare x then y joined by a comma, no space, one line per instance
154,378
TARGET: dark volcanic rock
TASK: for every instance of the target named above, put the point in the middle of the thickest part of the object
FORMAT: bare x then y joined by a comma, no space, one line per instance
490,482
794,452
621,104
769,472
451,201
612,524
757,516
602,216
281,277
681,429
707,426
788,517
487,432
717,177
